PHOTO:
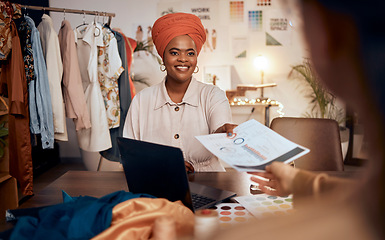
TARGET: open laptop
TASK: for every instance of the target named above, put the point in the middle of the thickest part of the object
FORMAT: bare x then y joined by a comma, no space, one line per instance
159,170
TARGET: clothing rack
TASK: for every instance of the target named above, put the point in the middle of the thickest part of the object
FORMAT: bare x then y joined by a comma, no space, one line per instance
76,11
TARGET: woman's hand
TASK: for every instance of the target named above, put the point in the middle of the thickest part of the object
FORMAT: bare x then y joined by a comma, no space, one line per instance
279,179
189,167
226,128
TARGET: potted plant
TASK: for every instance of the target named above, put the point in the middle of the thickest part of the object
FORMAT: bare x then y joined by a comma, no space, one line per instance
323,102
147,46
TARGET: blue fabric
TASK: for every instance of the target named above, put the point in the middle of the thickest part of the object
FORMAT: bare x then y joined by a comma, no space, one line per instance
76,218
40,107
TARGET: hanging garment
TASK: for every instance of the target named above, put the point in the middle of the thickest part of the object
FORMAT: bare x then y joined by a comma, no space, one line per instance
130,47
14,86
26,47
51,51
113,153
75,101
97,138
109,70
8,11
41,117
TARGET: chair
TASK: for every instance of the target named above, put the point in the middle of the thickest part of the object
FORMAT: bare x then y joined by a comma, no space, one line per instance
321,136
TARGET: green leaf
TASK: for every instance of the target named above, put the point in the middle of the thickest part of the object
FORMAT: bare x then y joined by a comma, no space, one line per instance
321,99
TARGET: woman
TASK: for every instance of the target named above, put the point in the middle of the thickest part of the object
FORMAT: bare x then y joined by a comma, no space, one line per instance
179,108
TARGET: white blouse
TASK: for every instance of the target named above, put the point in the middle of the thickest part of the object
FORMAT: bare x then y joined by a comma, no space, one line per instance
97,138
154,117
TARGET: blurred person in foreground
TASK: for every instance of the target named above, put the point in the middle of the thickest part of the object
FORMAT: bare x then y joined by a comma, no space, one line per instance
346,42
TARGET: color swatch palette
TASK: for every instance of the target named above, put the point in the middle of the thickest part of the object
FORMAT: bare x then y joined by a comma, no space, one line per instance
263,205
263,2
255,20
236,11
232,213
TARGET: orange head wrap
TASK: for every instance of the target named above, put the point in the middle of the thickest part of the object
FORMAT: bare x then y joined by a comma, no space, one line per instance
177,24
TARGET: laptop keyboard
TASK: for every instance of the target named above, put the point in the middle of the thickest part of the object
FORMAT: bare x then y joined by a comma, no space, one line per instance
199,200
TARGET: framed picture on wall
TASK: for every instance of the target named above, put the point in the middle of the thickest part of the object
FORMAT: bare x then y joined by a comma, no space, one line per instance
239,47
218,75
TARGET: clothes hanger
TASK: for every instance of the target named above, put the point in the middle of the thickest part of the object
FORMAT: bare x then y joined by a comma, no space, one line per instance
106,25
99,30
84,20
25,12
105,22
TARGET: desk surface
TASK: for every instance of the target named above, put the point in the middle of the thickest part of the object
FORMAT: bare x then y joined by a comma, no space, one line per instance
98,184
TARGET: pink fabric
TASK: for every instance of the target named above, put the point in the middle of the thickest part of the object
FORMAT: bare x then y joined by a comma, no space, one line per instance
74,98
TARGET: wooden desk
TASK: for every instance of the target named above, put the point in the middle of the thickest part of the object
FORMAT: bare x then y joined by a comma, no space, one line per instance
98,184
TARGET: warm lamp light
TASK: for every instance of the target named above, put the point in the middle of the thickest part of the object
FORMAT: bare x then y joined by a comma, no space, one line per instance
261,64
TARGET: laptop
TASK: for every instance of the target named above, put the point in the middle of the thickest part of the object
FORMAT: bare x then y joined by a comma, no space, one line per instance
159,170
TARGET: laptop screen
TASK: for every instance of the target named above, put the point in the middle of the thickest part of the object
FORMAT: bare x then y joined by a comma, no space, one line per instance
155,169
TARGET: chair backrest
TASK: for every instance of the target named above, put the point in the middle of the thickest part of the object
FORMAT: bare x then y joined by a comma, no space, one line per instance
321,136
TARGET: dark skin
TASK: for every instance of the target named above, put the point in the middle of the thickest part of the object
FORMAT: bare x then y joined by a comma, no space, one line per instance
180,60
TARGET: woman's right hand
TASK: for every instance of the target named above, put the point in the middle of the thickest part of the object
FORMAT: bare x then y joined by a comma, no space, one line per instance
189,167
279,179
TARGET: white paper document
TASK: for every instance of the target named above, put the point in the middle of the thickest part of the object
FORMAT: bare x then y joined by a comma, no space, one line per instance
252,146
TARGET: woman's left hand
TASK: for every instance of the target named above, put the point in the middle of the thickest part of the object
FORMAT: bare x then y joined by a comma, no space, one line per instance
226,128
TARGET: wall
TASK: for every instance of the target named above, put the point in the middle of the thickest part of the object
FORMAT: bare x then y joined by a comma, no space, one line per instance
129,14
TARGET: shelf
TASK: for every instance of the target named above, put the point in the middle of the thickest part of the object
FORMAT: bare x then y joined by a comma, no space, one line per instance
4,176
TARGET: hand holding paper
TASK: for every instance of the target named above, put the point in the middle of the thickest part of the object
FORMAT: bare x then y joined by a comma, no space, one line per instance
252,147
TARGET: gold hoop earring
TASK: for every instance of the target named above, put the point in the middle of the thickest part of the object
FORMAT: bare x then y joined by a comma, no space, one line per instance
196,69
162,67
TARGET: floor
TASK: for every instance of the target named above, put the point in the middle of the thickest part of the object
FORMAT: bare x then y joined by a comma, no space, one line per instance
51,175
43,180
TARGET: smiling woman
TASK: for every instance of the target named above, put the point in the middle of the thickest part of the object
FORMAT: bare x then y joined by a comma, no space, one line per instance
179,108
180,61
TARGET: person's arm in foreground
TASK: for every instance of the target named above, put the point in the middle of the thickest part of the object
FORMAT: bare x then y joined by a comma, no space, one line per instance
282,179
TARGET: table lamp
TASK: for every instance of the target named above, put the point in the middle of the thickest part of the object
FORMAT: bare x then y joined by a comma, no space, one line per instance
261,64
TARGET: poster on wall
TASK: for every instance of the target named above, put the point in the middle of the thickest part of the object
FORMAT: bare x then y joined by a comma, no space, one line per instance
240,46
218,75
261,3
207,11
255,20
142,34
236,11
278,29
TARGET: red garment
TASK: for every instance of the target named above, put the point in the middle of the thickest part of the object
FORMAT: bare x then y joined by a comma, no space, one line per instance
176,24
130,47
14,86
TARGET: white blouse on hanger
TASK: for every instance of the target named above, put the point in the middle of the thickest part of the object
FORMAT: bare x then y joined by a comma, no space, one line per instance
97,138
51,51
